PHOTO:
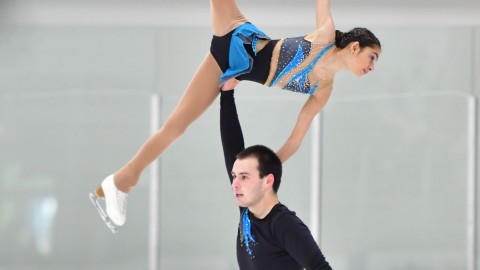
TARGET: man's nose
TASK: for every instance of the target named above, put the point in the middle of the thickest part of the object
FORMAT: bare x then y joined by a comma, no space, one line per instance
234,184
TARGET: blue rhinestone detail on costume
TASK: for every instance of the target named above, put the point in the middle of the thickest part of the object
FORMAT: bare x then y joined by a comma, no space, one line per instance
299,82
247,231
254,44
295,62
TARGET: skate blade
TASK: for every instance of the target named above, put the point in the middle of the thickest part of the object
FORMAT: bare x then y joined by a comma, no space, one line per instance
94,199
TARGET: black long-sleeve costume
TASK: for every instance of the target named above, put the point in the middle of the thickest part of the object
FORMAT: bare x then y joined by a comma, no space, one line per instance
282,240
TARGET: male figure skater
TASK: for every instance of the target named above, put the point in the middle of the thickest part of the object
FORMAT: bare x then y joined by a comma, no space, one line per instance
270,236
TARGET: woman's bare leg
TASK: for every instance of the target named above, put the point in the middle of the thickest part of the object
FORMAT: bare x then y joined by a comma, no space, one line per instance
200,93
226,16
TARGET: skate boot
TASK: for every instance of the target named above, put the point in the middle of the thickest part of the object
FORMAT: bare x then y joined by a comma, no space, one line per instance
115,207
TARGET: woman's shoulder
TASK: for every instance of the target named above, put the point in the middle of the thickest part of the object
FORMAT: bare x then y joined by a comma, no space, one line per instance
320,38
322,35
311,40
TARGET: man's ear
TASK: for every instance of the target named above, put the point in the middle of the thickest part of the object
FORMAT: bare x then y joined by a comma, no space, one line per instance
270,179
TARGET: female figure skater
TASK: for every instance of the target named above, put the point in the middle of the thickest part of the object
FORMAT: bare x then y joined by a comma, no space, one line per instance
240,51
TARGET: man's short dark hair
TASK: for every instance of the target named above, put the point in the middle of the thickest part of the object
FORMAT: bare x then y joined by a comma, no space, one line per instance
268,162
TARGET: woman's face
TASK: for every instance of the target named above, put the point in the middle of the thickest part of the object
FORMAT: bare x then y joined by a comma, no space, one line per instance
364,59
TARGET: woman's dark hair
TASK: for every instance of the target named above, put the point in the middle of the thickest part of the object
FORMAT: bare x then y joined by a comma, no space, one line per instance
362,35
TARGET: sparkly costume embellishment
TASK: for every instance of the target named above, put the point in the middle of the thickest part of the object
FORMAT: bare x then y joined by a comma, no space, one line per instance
295,62
299,82
247,231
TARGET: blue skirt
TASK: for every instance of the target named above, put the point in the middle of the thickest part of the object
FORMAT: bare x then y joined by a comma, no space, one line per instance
239,60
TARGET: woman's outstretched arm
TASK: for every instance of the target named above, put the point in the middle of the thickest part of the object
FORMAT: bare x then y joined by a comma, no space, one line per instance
323,14
312,107
325,30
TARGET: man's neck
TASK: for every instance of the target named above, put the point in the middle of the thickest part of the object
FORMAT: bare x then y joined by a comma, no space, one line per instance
263,208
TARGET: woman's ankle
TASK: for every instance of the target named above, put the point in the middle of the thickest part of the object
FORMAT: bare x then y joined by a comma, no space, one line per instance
125,180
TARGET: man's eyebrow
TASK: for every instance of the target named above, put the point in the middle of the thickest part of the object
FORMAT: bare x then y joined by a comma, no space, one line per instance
241,173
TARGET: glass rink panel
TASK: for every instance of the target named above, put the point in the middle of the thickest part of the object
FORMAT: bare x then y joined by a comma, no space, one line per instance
396,181
55,148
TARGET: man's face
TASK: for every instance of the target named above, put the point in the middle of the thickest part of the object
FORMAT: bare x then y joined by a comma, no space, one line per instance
248,187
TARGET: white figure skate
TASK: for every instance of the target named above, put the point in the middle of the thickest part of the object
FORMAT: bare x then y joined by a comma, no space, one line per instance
115,210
